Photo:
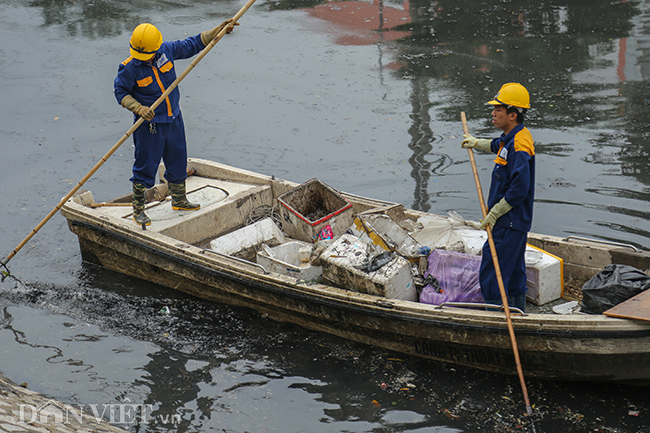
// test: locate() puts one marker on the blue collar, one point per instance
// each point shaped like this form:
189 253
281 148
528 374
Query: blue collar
506 138
145 62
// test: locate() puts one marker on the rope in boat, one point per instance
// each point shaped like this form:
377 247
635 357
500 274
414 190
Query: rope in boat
264 211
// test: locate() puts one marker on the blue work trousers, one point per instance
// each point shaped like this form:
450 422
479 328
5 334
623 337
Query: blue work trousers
511 249
165 141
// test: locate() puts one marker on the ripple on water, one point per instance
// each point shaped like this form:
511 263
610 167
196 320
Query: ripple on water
186 19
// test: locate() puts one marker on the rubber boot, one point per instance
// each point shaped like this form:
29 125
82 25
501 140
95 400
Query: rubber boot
179 199
139 216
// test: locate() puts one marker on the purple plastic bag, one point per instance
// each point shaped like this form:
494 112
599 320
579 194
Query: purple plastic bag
457 276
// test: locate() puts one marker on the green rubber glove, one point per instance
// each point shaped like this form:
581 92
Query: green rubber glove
497 211
208 35
130 103
476 143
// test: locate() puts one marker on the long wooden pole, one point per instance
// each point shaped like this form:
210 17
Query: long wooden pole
128 133
497 269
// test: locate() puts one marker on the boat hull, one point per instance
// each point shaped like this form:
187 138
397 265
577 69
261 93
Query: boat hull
603 349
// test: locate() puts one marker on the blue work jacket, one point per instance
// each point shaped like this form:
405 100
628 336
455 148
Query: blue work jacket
146 82
513 177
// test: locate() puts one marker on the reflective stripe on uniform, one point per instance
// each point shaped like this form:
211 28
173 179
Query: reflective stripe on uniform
162 88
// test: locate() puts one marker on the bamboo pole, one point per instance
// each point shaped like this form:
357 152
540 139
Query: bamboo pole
128 133
497 269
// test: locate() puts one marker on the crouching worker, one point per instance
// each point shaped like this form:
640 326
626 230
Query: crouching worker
141 80
511 196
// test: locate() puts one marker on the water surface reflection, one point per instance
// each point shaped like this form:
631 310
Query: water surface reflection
208 366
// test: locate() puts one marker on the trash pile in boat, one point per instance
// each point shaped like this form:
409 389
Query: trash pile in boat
315 236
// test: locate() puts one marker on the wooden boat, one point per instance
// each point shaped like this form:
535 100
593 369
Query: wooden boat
175 252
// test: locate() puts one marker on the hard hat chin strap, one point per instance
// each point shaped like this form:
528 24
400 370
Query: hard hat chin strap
141 51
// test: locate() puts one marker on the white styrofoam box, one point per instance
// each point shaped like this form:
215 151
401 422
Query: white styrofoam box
544 273
286 258
263 231
394 280
381 230
312 206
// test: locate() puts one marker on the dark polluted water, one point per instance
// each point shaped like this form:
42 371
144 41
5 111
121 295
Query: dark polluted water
365 96
200 366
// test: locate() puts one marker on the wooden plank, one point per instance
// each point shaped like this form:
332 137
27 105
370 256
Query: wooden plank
637 307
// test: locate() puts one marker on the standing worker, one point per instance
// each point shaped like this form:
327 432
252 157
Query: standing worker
141 80
511 197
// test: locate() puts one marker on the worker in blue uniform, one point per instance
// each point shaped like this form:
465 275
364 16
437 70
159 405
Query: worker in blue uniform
141 80
511 197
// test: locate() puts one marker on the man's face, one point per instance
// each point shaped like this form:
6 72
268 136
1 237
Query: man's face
501 118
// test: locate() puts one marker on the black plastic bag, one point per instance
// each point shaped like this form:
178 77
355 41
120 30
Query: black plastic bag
611 286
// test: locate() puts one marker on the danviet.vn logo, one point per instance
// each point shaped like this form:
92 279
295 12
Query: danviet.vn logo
114 413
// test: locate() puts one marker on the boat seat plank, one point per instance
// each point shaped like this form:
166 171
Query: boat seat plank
637 307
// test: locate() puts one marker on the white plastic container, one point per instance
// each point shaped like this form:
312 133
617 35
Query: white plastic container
288 259
249 237
341 259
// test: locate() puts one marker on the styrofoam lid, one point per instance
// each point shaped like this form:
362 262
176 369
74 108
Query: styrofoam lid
532 256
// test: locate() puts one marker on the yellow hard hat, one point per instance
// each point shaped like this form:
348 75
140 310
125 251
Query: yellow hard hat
513 94
145 41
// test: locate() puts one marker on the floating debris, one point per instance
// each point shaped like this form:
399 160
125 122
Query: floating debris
561 183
